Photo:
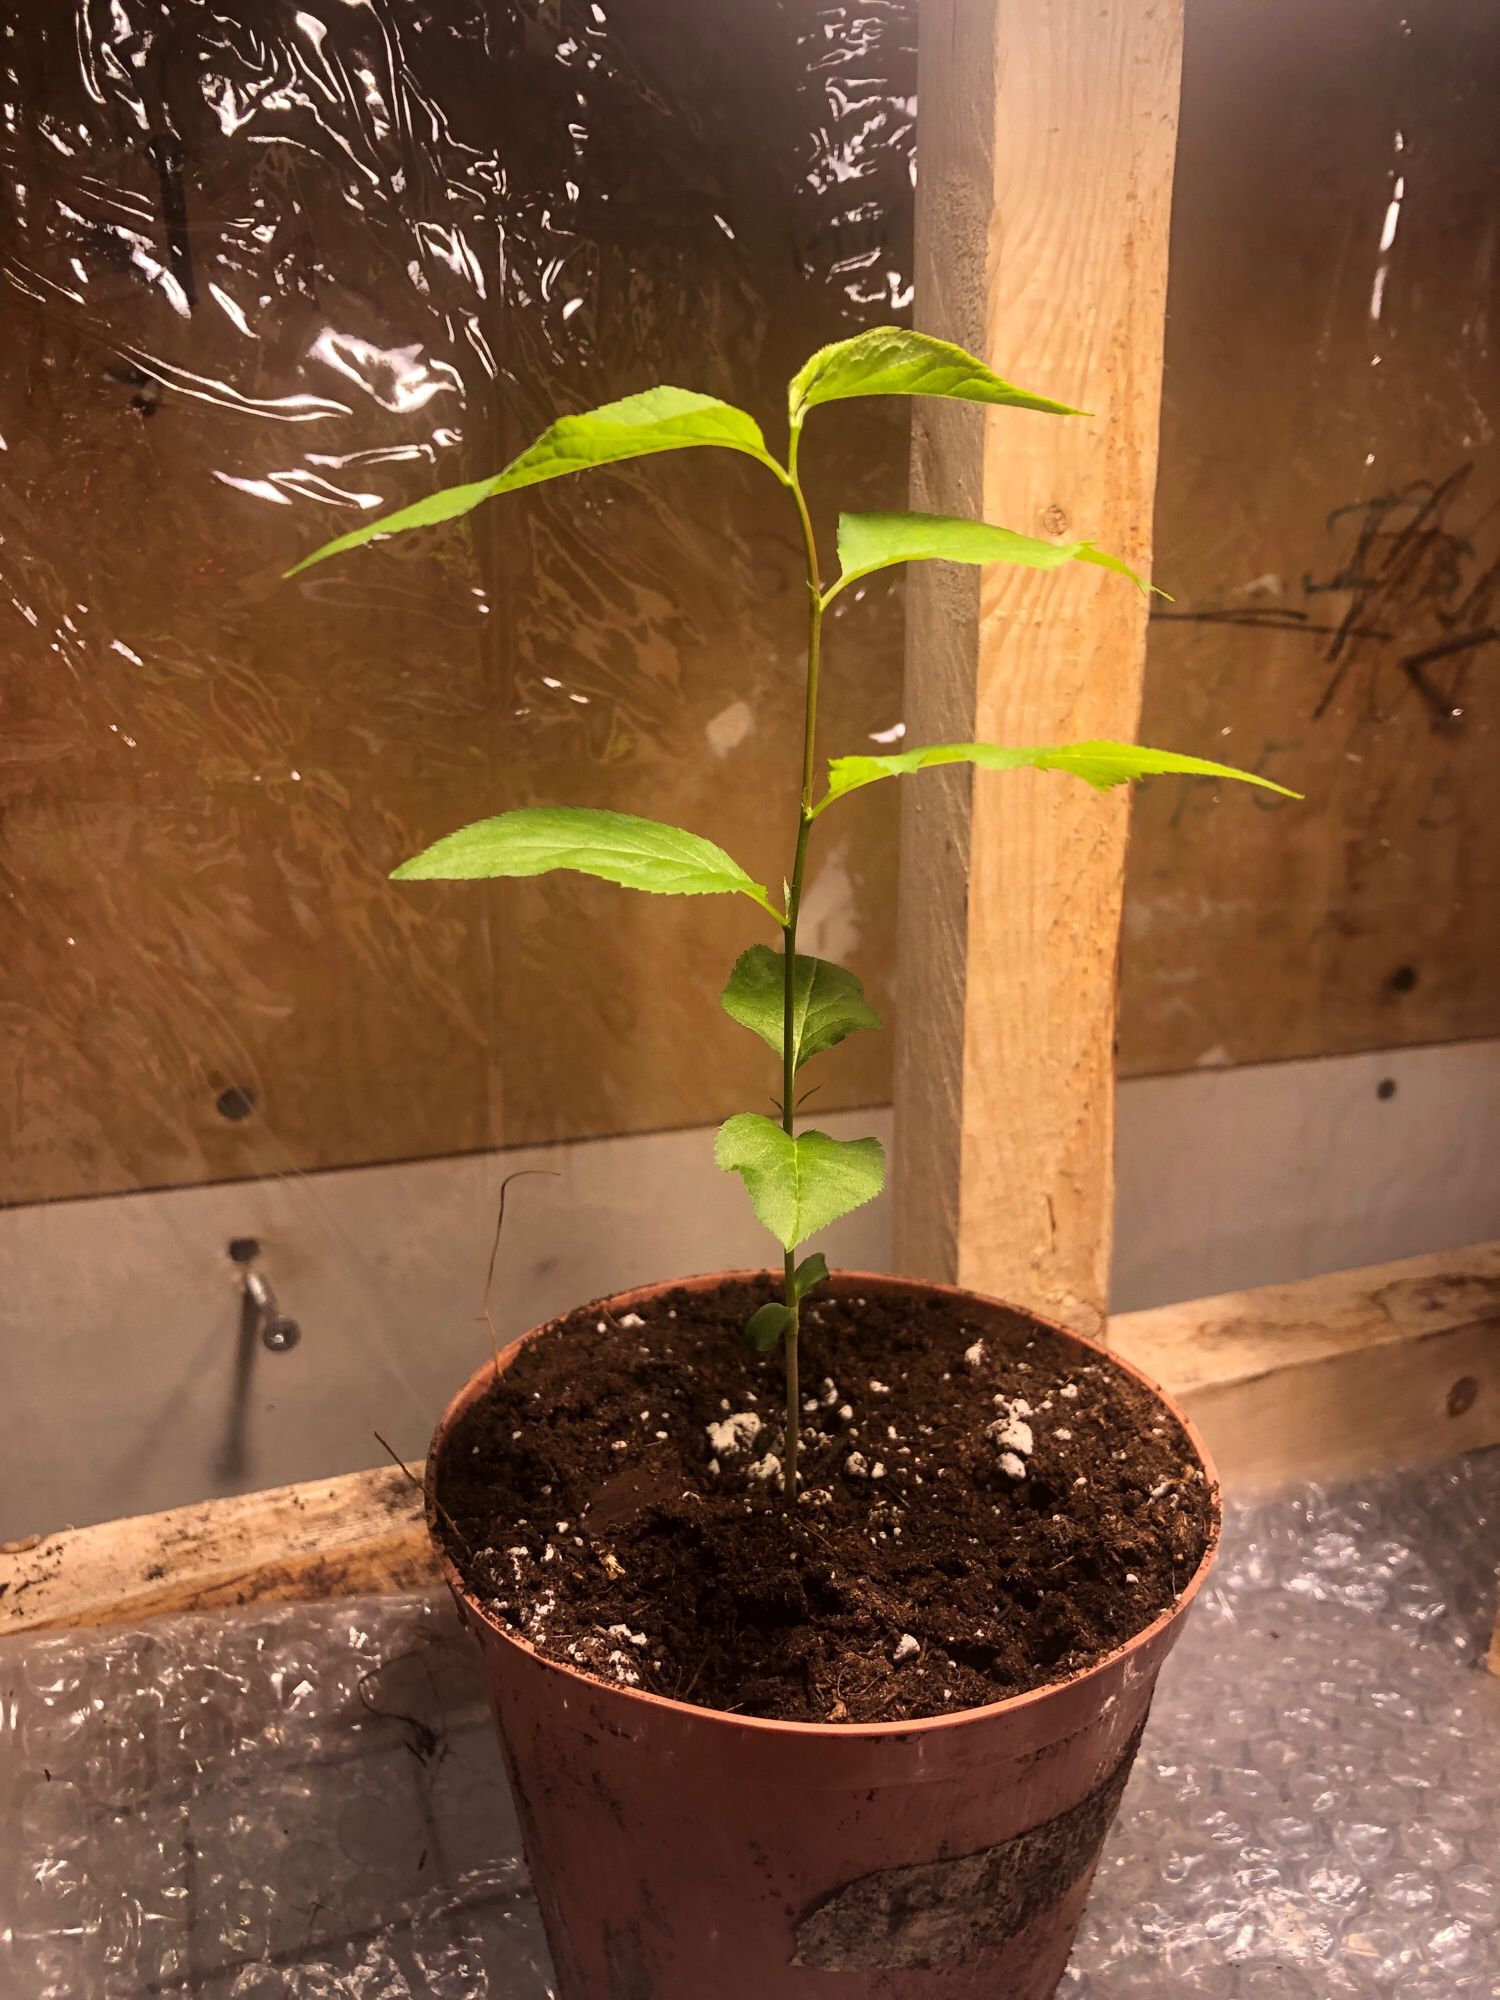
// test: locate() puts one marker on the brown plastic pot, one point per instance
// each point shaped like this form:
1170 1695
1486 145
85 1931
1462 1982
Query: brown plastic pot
683 1853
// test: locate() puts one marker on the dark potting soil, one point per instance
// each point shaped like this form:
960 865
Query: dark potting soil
984 1507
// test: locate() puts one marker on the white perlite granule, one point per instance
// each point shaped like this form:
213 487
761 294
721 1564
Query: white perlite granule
1012 1434
737 1433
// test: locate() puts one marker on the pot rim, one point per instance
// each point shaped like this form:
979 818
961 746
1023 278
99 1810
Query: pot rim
625 1301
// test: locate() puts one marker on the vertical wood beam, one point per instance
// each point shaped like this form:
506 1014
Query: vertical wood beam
1044 169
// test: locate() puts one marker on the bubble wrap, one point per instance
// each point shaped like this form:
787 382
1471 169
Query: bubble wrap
308 1804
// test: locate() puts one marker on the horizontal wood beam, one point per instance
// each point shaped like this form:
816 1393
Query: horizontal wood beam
357 1534
1332 1377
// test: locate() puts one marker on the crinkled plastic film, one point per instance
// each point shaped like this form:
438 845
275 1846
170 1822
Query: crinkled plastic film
269 270
309 1801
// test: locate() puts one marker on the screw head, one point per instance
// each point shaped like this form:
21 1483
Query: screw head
281 1335
1462 1396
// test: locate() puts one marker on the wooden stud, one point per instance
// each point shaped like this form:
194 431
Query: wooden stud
1043 194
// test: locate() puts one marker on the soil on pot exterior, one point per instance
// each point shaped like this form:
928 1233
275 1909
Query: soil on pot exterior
979 1513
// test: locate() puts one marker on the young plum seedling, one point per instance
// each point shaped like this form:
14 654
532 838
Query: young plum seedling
798 1181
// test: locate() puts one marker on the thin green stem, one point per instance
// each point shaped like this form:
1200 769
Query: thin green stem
789 1476
793 910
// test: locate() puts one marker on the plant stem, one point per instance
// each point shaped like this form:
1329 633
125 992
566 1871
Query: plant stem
793 908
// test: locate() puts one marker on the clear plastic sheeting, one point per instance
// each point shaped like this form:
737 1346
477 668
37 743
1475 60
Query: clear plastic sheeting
309 1803
268 270
1315 1813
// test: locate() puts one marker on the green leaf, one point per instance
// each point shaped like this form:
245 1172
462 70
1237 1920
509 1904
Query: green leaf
828 1003
894 361
766 1326
1098 764
798 1186
876 541
617 847
811 1271
769 1322
656 420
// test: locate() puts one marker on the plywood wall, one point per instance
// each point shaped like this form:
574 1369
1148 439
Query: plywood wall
268 271
265 270
1329 520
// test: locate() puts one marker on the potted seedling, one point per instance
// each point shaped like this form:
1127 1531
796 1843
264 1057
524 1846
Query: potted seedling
820 1613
